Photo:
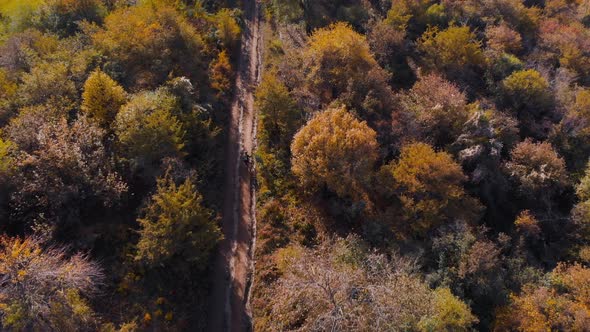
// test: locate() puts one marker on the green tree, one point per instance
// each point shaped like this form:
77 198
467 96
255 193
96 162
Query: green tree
278 120
581 211
102 98
415 16
149 129
571 137
62 17
278 113
335 150
470 264
7 162
8 94
47 82
287 10
175 224
8 151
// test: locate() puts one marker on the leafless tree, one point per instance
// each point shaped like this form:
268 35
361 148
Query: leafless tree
41 287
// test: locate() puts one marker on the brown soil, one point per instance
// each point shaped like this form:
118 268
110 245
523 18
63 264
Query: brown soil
230 306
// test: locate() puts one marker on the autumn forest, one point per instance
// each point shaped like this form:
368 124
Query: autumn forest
294 165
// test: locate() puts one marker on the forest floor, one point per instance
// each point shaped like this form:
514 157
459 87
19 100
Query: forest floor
230 303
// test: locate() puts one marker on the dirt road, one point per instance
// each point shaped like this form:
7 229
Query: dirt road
234 266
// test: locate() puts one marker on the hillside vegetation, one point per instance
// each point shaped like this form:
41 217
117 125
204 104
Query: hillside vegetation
421 165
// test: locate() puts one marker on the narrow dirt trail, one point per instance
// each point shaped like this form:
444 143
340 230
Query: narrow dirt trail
234 266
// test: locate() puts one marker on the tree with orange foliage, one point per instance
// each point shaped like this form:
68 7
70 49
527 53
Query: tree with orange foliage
335 150
429 187
221 74
336 56
527 224
561 305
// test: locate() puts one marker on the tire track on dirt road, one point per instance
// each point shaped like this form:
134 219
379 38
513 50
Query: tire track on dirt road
234 266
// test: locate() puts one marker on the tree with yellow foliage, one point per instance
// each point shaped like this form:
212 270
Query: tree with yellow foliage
102 98
148 42
452 48
221 74
429 187
334 150
228 31
449 313
528 90
176 225
335 57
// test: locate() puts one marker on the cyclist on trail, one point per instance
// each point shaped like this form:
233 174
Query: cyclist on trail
246 158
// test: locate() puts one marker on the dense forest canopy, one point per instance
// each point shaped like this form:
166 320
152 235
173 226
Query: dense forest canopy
112 116
442 144
421 165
